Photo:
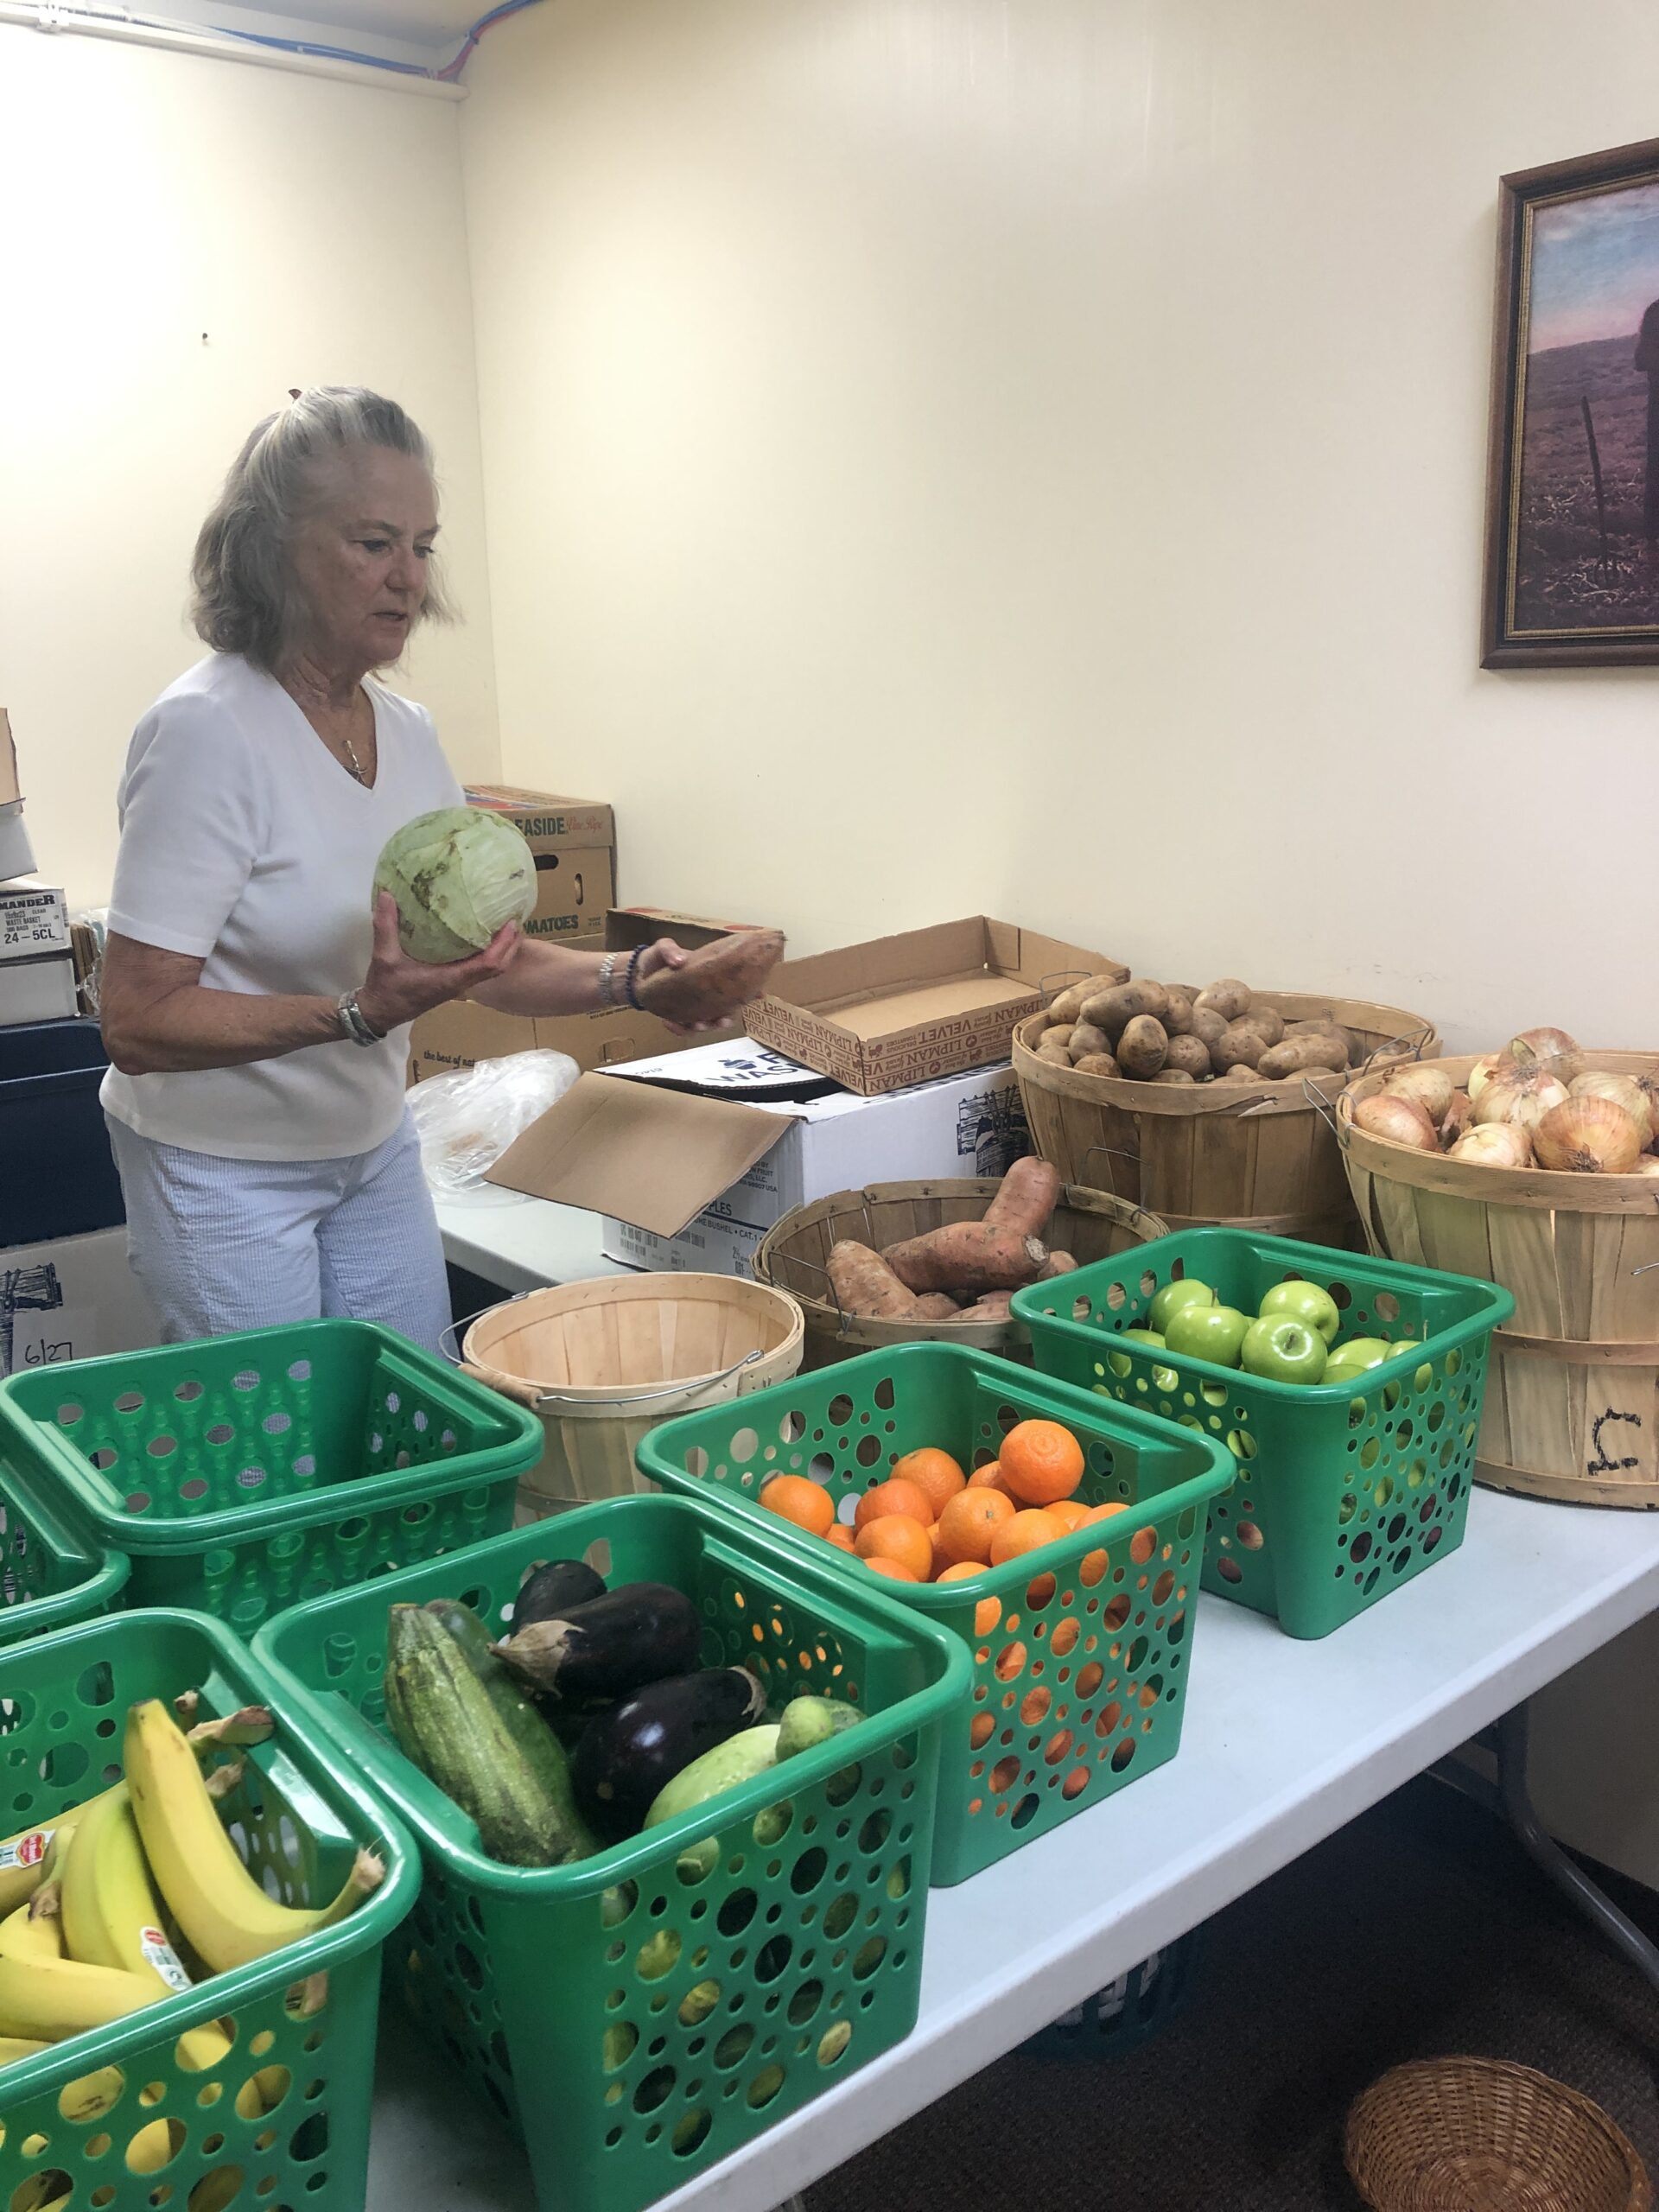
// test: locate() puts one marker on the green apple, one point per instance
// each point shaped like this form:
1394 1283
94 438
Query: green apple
1150 1340
1282 1350
1304 1301
1173 1295
1211 1332
1356 1357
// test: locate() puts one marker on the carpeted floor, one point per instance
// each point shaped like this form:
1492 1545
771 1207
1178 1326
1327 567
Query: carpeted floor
1418 1931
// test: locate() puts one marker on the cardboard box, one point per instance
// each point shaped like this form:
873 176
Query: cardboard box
16 856
459 1035
74 1298
39 989
32 921
906 1009
574 841
692 1159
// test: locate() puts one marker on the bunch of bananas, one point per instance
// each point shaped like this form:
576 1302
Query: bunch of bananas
86 1903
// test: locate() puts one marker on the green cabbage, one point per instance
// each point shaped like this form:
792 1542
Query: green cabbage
458 875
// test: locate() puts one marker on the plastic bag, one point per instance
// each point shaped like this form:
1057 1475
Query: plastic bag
468 1120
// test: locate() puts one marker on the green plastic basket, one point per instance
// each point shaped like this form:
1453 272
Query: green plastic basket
1345 1489
287 2109
667 2000
52 1569
248 1473
1079 1660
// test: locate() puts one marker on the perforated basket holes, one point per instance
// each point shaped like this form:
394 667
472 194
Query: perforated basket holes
407 1426
1078 1682
252 2128
440 1964
1409 1461
30 1566
845 1435
793 1653
742 1972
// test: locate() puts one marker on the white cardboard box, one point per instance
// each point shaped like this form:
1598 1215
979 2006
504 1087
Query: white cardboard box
693 1157
41 988
33 921
75 1298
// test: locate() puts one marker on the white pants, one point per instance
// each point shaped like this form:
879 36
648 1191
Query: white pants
224 1245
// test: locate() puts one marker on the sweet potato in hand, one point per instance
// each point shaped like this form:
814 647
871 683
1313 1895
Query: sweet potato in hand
967 1259
716 981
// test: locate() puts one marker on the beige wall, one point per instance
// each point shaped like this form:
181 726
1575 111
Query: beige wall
945 454
314 232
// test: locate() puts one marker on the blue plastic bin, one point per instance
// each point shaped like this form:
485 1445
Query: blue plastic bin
59 1176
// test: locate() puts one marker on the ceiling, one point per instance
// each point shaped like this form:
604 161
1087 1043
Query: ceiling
424 31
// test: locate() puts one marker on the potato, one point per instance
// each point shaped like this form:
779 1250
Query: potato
1056 1055
1114 1010
1143 1047
1068 1005
1266 1019
1097 1064
1228 997
1189 1053
1085 1038
1172 1075
1297 1055
1240 1047
1061 1034
1209 1027
1177 1016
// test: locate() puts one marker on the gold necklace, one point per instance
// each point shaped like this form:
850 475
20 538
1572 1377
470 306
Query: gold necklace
355 764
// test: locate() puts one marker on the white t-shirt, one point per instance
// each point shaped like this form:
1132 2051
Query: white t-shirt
246 845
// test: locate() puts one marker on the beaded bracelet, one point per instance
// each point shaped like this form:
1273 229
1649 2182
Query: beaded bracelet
630 981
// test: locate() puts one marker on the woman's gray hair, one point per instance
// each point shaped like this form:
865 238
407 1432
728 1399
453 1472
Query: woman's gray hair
244 600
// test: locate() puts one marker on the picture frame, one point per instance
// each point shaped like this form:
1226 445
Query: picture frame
1571 575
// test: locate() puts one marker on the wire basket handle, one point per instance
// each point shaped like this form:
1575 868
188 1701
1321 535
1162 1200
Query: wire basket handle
1409 1047
1112 1152
451 1329
1321 1105
813 1268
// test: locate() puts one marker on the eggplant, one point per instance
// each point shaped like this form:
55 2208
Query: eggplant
628 1756
549 1591
592 1653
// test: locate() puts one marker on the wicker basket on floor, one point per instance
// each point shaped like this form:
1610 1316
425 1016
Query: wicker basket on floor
1478 2135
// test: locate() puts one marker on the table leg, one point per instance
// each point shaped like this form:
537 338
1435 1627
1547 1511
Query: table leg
1515 1804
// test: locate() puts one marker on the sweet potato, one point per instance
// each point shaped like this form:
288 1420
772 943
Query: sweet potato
1229 998
1267 1020
1177 1016
1240 1047
865 1285
935 1307
1086 1039
1141 1048
1067 1005
1097 1064
967 1258
1025 1202
994 1306
1298 1055
1058 1263
1114 1010
1191 1055
716 981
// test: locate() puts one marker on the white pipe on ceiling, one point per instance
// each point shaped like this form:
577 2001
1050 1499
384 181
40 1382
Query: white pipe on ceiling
49 16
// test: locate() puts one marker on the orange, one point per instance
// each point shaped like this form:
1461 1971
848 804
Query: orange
1069 1513
806 1504
988 1611
1041 1462
968 1521
1022 1533
841 1536
932 1470
909 1498
891 1569
1104 1512
896 1536
989 1476
960 1571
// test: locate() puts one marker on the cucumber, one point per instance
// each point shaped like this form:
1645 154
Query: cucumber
809 1721
641 1633
549 1591
630 1754
445 1720
543 1753
738 1759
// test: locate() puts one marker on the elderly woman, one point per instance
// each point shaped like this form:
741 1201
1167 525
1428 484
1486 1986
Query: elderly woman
255 1011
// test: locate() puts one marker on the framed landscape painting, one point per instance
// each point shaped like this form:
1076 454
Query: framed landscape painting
1572 485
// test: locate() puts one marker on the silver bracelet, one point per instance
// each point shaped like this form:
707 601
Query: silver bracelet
607 984
354 1024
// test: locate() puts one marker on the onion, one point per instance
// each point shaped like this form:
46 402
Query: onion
1546 1048
1647 1165
1624 1089
1482 1073
1588 1136
1523 1095
1459 1116
1432 1088
1495 1144
1647 1084
1397 1120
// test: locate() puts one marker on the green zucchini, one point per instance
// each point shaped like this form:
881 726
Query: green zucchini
543 1753
809 1721
740 1758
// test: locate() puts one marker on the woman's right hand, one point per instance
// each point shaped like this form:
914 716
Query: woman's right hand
399 988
